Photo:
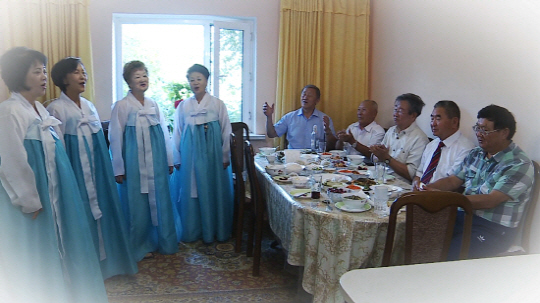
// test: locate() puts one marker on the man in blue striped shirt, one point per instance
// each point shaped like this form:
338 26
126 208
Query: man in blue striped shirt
498 178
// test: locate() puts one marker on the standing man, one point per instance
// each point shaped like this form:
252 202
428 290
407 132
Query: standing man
498 178
404 143
359 136
298 124
445 153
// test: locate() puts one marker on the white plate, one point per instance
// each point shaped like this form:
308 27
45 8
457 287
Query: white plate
331 177
343 207
277 179
301 193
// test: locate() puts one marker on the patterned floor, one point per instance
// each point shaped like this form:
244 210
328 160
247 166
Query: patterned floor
206 273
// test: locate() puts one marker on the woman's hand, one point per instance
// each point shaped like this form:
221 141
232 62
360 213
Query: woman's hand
36 213
225 165
120 179
171 169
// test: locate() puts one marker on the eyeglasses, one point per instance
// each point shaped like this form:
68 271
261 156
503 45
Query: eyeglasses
477 129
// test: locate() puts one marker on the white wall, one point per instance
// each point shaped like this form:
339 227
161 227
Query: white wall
475 52
266 13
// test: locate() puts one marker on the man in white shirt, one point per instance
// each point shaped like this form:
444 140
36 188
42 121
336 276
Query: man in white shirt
359 136
404 143
438 163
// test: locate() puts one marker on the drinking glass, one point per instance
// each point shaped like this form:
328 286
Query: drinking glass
322 146
380 170
380 199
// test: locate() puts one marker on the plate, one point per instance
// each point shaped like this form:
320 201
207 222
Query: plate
301 193
343 207
282 179
334 184
331 177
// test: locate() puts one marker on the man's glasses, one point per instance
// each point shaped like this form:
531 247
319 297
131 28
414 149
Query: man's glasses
477 129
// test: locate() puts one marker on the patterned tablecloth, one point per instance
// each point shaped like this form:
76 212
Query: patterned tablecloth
326 243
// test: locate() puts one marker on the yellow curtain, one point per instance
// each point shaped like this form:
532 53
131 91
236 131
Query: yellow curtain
324 42
57 28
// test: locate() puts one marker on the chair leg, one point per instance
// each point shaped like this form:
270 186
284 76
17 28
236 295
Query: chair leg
251 232
258 243
239 225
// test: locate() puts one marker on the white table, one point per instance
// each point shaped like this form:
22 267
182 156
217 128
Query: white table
502 279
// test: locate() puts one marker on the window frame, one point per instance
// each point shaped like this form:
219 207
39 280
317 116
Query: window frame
246 24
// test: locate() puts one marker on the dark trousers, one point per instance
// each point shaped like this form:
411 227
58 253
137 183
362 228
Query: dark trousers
487 238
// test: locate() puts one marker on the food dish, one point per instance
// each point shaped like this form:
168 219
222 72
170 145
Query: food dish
282 178
301 193
343 207
332 177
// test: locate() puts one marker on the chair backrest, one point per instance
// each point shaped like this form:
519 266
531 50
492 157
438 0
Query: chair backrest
241 133
256 192
237 163
524 233
430 219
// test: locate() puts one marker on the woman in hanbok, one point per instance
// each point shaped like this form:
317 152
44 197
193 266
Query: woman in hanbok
47 251
142 161
89 155
202 155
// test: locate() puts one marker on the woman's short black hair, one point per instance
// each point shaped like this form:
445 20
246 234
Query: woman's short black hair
62 68
500 117
200 69
15 64
131 67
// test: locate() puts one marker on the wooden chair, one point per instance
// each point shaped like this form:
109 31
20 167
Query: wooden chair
240 132
521 244
257 210
430 218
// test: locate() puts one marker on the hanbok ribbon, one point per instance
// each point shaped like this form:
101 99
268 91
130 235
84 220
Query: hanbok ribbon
146 162
199 112
49 149
88 125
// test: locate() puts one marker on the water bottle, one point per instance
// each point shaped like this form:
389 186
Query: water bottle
314 141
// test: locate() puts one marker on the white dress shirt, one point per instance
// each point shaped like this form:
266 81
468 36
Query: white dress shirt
406 146
373 133
455 148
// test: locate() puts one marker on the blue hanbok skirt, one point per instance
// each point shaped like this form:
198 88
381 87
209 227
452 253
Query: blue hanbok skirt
30 256
119 257
210 215
143 235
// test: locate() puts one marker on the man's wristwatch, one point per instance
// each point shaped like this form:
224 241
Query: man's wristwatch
387 161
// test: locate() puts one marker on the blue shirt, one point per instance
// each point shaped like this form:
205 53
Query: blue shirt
299 128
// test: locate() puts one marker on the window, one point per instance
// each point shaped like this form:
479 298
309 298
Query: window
170 44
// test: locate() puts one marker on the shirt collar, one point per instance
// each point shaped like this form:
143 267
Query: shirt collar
407 130
316 113
368 127
500 155
453 138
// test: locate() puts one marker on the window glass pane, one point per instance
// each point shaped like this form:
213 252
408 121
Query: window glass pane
167 50
231 62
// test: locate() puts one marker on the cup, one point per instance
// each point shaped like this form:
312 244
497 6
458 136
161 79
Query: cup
271 158
316 189
380 199
292 155
380 171
322 146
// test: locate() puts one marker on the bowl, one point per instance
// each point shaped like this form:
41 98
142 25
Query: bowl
271 158
309 158
299 181
356 159
293 168
354 200
267 150
274 170
337 152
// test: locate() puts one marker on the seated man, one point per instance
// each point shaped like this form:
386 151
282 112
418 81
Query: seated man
445 153
498 178
359 136
404 143
298 124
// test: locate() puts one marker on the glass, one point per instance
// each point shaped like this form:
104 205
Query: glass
322 146
316 188
481 131
380 199
380 171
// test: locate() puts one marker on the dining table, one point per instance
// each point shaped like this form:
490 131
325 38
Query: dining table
323 240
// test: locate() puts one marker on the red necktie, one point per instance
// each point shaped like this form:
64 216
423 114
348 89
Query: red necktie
432 164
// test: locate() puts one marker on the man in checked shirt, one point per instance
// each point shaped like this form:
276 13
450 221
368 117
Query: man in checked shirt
498 178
